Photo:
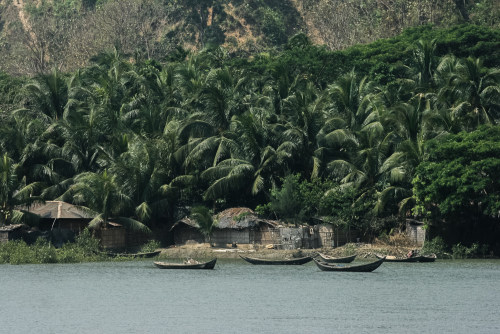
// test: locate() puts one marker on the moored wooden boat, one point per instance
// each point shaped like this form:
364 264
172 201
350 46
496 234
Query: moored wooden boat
189 265
331 259
136 255
395 259
364 268
297 261
427 258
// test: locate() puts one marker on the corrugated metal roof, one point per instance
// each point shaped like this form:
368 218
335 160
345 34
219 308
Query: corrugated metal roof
59 210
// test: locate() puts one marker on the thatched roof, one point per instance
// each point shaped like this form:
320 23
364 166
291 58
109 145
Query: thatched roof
13 227
186 221
233 218
240 218
59 210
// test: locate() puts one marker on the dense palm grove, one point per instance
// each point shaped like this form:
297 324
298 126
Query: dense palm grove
139 141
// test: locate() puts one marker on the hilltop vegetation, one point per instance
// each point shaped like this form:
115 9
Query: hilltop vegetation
37 35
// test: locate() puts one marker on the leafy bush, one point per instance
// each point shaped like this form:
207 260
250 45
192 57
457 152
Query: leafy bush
44 252
150 246
436 246
85 249
86 243
460 251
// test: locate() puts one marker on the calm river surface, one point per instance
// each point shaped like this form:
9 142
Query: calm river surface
236 297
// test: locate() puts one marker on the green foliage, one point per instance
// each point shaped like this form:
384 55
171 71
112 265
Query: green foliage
150 246
203 217
461 174
287 202
87 243
134 141
84 249
273 26
344 206
436 246
460 251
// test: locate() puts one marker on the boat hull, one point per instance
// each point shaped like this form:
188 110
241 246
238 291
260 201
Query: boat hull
362 268
409 259
297 261
136 255
428 258
330 259
203 265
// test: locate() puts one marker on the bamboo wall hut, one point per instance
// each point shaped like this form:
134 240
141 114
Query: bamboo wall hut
243 226
234 226
61 215
415 231
112 236
185 231
12 232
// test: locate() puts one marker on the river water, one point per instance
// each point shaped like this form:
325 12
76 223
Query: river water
236 297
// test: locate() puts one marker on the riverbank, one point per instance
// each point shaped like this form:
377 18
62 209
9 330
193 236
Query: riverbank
204 250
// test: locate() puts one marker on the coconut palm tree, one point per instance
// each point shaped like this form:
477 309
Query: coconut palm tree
141 171
203 217
101 195
15 193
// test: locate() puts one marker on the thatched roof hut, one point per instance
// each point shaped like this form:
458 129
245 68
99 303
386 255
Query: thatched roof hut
234 225
241 218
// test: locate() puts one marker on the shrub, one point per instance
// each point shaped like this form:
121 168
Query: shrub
88 244
436 246
460 251
150 246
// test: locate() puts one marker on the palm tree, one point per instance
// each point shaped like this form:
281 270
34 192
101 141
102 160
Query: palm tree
14 193
468 92
101 195
425 61
47 96
141 171
204 220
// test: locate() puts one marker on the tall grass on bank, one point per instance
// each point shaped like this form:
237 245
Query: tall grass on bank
84 249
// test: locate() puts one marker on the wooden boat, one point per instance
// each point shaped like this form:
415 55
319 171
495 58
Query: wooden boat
427 258
136 255
365 268
188 265
331 259
297 261
395 259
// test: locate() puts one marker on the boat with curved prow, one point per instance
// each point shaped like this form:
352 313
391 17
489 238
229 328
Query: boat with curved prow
362 268
427 258
331 259
395 259
135 255
297 261
188 265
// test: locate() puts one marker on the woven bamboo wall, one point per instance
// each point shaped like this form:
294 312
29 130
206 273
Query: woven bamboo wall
112 238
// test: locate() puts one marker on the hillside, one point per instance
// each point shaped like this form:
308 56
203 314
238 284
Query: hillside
37 35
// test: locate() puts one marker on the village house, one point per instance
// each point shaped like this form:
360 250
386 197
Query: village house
242 227
65 221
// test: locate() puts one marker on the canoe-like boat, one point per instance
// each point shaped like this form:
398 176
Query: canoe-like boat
136 255
427 258
363 268
405 259
297 261
189 265
331 259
